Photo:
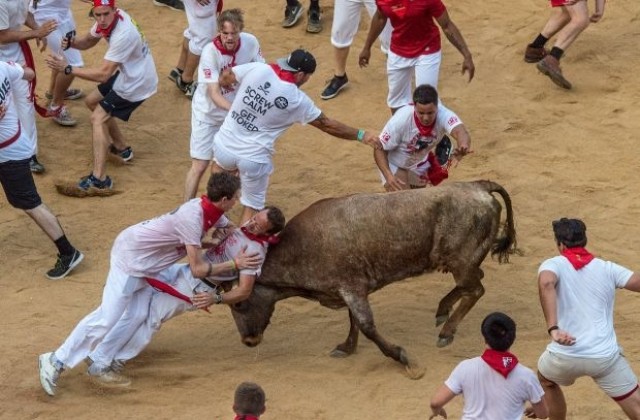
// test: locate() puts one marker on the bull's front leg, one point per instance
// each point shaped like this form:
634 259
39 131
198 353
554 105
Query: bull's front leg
349 346
362 316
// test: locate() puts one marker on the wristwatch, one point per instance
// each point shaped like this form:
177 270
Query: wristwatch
218 298
68 69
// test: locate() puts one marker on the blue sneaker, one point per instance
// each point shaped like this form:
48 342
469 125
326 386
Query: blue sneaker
126 154
91 181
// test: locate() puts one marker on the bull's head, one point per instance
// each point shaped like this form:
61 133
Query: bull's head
253 314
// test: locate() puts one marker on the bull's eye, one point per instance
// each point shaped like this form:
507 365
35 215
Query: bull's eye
241 306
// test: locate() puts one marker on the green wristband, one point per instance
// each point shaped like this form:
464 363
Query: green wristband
360 136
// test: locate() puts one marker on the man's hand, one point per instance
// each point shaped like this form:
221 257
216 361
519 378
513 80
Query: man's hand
56 62
245 260
468 66
563 337
394 184
46 28
203 300
372 140
441 412
363 59
3 111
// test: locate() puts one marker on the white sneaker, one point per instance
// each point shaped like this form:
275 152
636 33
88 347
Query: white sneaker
63 117
110 379
117 365
48 373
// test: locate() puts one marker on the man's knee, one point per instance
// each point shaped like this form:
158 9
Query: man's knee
199 166
99 116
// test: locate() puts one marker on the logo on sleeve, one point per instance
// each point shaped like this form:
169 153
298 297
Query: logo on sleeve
281 102
453 120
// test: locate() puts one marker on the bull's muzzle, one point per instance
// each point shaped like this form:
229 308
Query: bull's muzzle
252 341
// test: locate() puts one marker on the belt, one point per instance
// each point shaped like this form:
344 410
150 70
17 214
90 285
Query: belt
13 139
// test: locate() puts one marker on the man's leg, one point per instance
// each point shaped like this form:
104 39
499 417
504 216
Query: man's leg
631 405
101 141
578 20
554 397
198 168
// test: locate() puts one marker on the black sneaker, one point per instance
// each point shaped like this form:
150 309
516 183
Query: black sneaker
292 15
191 90
175 74
184 86
443 151
91 181
314 24
171 4
126 154
35 166
336 84
65 264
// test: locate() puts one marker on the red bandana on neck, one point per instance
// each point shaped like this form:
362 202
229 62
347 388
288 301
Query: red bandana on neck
284 75
578 257
502 362
245 417
210 212
220 46
436 173
106 32
425 130
262 239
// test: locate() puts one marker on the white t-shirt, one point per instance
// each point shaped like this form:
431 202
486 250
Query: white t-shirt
151 246
51 9
229 248
13 14
128 47
490 396
22 148
585 301
406 146
263 109
212 63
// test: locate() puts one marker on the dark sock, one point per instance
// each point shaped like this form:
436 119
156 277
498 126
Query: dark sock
556 52
64 246
292 3
539 41
314 5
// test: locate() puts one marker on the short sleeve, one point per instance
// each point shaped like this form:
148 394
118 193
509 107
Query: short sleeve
309 110
618 273
447 119
209 68
454 382
393 132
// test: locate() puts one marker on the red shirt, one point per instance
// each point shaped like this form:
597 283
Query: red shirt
414 30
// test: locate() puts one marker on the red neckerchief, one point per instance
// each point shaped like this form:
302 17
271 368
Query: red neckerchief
106 32
502 362
29 62
168 289
284 75
245 417
425 130
578 257
210 212
262 239
220 46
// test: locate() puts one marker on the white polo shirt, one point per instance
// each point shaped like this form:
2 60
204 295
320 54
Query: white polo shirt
21 148
13 14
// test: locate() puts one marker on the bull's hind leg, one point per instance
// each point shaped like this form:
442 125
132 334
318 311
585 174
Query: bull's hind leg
362 316
349 346
468 291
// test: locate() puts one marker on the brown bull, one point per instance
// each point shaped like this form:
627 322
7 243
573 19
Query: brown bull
339 250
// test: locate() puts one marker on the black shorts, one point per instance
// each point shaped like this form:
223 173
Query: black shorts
113 104
17 183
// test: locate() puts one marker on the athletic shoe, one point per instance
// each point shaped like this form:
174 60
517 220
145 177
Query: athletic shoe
49 374
118 365
91 181
35 166
534 54
443 151
62 116
126 154
336 84
292 15
70 94
175 75
314 24
184 86
550 66
64 265
171 4
191 90
110 379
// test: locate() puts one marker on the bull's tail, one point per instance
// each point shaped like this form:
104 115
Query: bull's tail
505 243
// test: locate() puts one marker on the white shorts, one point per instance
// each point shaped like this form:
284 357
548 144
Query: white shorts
254 176
202 134
399 72
612 374
54 39
203 25
346 20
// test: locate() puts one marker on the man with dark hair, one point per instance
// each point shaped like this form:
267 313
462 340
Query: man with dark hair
409 140
577 294
249 401
140 251
494 385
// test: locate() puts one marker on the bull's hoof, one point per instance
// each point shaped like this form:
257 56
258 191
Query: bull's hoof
444 341
412 367
441 319
339 353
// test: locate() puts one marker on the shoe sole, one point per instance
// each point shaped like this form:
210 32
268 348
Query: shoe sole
66 123
44 382
157 3
296 18
325 97
112 385
532 60
555 77
314 28
71 267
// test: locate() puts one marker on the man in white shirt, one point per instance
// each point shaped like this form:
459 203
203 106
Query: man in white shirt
211 103
16 149
577 294
269 101
14 47
409 140
494 385
127 78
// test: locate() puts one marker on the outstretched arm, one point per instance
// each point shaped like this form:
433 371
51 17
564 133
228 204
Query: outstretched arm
343 131
547 281
442 396
455 38
463 142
